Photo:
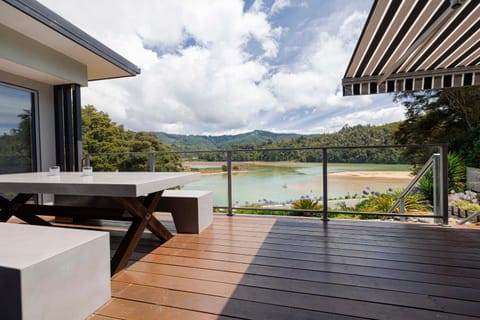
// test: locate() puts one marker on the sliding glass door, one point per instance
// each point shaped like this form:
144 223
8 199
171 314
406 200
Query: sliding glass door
17 147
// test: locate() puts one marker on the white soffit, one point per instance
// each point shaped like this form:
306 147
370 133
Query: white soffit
97 67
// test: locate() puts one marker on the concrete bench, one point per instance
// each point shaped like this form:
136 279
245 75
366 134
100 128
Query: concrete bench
191 210
52 273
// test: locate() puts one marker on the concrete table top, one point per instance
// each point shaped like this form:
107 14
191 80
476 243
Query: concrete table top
114 184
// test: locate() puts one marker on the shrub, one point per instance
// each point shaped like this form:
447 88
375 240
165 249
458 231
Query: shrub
384 201
306 203
456 177
466 205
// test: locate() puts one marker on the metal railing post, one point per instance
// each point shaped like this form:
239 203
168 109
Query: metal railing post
443 203
402 208
436 174
87 160
325 183
151 162
229 176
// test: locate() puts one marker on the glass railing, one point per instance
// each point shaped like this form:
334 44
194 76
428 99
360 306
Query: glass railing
365 182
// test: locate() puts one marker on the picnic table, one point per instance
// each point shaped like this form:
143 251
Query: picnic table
131 196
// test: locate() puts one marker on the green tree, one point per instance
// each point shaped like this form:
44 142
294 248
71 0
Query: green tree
16 146
102 135
451 116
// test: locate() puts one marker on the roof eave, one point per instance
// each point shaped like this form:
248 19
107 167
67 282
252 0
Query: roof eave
52 20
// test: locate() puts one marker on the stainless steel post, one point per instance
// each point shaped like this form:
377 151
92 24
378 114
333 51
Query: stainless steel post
325 182
151 161
443 205
437 181
229 175
87 160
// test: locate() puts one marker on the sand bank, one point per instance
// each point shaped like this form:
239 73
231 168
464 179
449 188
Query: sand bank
355 182
402 175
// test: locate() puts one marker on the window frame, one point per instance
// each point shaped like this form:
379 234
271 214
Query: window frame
34 123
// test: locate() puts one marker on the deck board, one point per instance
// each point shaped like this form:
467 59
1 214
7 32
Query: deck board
247 267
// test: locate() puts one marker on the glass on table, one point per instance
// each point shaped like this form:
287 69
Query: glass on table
54 171
87 171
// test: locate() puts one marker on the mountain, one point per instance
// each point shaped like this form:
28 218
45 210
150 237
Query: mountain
259 142
200 142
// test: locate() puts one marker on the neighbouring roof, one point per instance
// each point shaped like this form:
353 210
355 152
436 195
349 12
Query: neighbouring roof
414 45
45 26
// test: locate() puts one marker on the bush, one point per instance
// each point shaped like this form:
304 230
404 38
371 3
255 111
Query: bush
384 201
456 177
306 204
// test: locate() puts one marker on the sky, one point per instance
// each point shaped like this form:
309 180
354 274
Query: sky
230 66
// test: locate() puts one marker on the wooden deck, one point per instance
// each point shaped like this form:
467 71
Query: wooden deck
294 268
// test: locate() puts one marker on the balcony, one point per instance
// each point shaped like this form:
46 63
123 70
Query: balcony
276 267
257 267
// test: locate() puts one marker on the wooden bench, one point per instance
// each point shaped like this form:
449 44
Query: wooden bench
52 273
191 210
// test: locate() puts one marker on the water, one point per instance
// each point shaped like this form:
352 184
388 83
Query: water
283 182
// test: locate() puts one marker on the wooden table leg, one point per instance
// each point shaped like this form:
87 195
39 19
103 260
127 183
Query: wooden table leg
127 245
143 213
10 208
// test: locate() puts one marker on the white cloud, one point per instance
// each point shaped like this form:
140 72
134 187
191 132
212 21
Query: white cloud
279 5
215 84
314 78
376 115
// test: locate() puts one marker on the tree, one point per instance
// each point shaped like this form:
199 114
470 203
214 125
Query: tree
102 135
16 146
451 116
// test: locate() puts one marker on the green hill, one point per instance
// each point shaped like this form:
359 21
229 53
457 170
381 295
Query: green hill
348 136
200 142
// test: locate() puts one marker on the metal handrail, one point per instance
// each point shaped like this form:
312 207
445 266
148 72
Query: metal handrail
441 214
413 183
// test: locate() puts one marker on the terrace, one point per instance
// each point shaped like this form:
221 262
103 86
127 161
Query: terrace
265 267
251 267
268 267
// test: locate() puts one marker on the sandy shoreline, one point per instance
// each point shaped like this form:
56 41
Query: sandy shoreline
355 181
401 175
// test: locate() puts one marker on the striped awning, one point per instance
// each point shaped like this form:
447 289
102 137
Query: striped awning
410 45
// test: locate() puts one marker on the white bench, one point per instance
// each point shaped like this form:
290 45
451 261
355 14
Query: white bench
191 210
52 273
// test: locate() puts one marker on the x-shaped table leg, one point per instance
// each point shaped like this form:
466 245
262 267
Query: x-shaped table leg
14 208
143 218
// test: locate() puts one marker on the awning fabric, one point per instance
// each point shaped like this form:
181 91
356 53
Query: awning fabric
414 45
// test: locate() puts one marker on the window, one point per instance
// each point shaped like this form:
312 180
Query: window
17 147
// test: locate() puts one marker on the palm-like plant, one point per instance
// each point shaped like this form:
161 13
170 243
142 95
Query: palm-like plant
306 204
456 177
384 201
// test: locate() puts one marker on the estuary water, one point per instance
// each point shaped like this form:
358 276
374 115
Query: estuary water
285 181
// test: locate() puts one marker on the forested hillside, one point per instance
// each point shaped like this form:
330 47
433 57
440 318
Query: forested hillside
348 136
201 142
102 135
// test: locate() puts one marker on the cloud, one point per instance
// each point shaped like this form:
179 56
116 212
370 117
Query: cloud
374 115
314 77
279 5
210 66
